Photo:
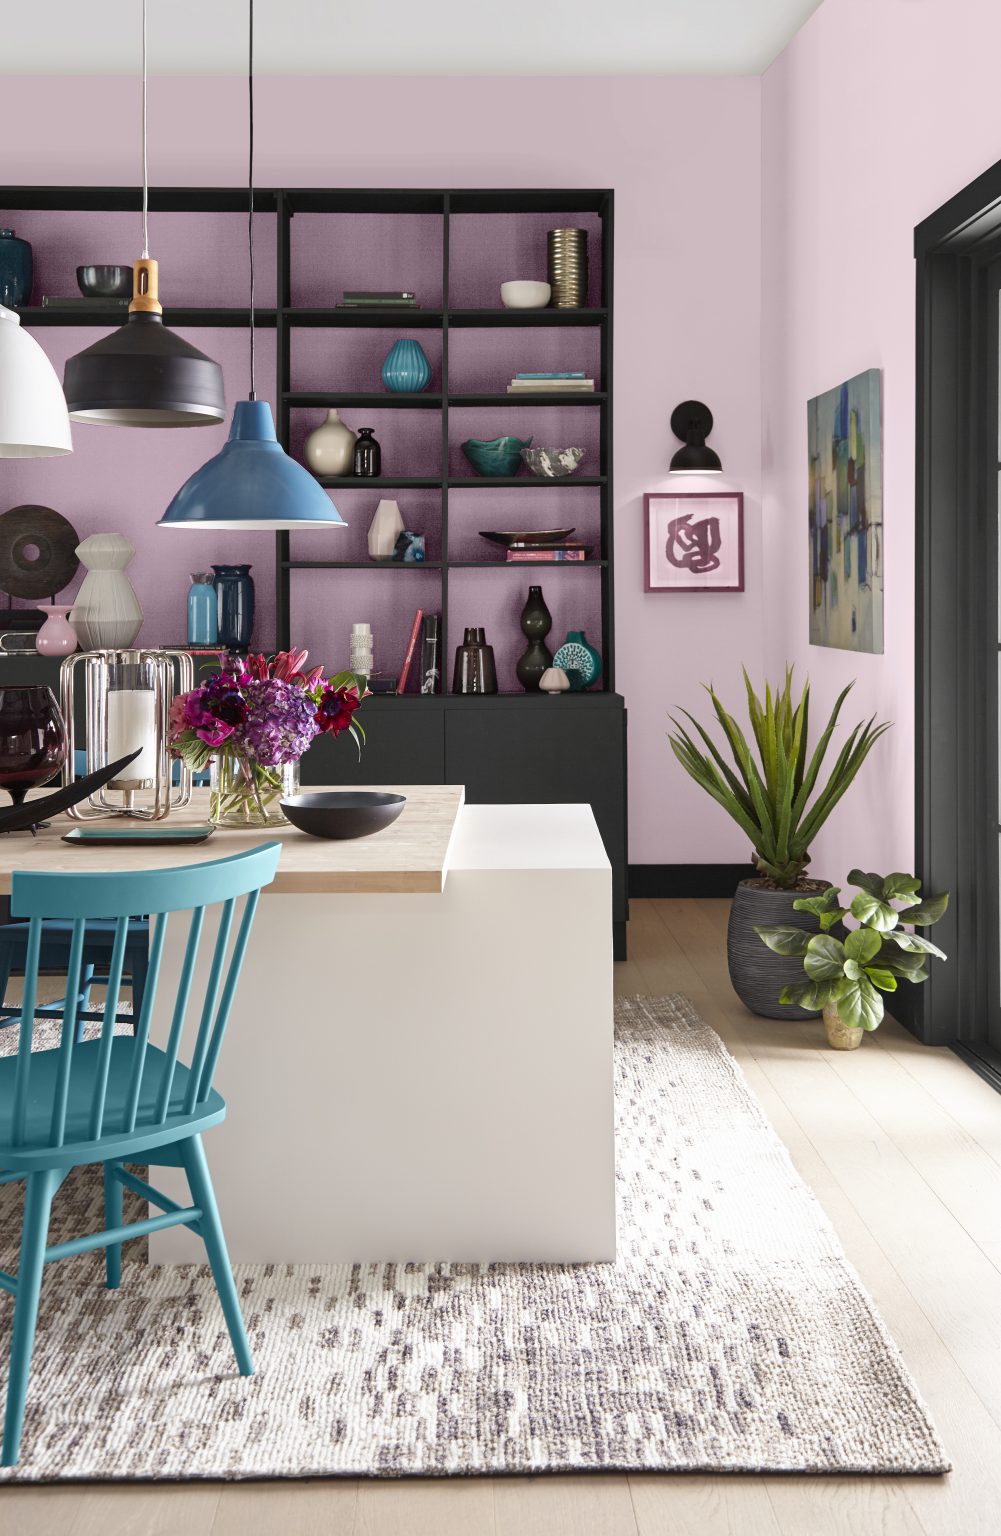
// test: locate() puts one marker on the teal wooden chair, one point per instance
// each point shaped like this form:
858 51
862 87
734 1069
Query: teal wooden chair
119 1098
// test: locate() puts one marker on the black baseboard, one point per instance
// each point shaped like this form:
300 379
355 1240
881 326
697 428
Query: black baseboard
686 879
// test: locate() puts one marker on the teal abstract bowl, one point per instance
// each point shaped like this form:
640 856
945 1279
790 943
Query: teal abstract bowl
499 456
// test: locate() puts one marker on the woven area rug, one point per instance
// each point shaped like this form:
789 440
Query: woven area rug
730 1335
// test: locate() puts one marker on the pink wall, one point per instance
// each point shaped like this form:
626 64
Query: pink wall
877 112
683 158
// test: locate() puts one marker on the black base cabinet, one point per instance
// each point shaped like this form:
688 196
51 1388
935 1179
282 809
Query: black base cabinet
507 750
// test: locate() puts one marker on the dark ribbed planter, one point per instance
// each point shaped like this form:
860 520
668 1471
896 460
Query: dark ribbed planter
756 973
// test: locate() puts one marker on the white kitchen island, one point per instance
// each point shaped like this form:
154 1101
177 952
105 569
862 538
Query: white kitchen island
419 1063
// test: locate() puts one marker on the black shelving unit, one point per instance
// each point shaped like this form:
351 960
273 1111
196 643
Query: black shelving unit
510 747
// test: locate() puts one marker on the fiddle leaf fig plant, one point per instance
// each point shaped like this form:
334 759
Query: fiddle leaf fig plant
777 797
854 971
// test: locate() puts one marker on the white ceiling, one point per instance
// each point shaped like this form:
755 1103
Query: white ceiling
404 37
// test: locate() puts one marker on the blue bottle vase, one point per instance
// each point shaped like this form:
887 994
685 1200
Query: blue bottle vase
579 660
203 615
16 270
235 598
406 370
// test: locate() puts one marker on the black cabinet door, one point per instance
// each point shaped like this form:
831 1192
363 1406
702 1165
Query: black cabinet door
405 744
546 751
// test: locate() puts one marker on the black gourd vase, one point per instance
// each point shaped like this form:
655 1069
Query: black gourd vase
536 622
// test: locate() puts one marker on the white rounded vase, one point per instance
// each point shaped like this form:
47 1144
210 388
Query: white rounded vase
107 615
330 449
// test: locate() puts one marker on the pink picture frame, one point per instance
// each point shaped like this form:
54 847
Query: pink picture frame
693 541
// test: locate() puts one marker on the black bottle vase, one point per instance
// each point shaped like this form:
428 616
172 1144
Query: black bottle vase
536 622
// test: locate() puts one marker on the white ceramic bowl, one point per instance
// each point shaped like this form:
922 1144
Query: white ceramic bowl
524 294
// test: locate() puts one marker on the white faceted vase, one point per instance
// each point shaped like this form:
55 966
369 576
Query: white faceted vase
384 530
107 615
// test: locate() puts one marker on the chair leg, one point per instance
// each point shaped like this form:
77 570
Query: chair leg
112 1218
192 1155
37 1203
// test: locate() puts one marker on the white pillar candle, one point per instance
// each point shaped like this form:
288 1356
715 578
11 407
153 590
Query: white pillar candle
131 724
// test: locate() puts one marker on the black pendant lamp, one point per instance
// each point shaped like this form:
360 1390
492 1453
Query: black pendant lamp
143 375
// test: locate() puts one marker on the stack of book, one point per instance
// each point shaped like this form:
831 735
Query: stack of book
558 552
570 383
378 298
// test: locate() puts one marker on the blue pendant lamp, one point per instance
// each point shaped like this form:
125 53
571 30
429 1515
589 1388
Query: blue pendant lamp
252 484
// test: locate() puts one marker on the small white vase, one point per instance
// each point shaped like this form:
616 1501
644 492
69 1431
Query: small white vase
57 637
107 614
384 530
330 449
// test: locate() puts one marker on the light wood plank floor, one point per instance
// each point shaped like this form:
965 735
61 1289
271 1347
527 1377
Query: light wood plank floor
902 1146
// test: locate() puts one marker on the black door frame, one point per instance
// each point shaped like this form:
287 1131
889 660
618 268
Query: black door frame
958 254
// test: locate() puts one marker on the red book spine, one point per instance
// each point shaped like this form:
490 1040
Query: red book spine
401 686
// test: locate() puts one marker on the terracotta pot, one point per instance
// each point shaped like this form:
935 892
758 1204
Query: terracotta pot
841 1036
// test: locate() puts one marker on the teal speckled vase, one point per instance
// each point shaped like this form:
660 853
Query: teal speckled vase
406 370
575 656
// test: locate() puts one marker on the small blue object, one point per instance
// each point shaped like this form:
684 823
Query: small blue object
119 1099
573 373
234 590
203 618
409 548
575 656
406 370
498 456
16 270
252 484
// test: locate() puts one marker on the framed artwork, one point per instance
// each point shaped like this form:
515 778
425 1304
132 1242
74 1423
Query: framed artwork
846 515
694 541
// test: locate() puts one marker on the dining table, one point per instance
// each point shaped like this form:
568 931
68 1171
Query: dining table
419 1062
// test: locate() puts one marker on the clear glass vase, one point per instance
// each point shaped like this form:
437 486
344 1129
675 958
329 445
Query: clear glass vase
248 794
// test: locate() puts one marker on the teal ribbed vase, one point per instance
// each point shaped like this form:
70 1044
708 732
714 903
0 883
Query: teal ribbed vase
406 370
575 656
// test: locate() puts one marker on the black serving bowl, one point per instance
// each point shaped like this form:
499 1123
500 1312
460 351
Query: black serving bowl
105 282
353 813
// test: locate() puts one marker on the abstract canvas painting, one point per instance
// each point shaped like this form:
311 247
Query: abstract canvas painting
846 515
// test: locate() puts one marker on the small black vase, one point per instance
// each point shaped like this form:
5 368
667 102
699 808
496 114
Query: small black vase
368 454
234 587
536 622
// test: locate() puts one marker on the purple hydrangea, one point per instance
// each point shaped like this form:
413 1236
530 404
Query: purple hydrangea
279 724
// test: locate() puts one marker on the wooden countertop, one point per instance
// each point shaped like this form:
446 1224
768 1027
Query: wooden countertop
408 857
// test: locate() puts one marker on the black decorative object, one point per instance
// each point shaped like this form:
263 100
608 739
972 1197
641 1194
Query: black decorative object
32 739
431 654
528 536
24 818
757 974
107 282
368 454
342 815
536 622
692 422
234 587
475 669
37 551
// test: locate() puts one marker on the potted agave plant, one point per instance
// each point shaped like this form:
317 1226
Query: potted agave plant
847 977
781 803
252 721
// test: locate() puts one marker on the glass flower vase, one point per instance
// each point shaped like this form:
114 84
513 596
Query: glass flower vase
247 794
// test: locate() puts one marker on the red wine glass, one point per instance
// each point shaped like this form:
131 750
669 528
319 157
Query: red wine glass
32 739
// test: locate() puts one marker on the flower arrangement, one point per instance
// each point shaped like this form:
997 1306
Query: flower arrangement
252 721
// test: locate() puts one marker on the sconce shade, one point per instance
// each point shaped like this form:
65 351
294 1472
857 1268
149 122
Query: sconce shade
692 422
252 484
33 419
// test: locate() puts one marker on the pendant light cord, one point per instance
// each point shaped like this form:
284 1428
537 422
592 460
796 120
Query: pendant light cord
250 180
145 161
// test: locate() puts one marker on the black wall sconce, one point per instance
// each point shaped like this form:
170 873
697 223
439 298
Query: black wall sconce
692 422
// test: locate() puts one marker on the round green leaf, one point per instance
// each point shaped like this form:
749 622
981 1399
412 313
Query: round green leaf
862 943
825 957
783 939
861 1005
869 909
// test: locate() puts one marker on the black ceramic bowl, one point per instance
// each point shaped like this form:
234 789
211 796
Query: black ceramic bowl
353 813
105 282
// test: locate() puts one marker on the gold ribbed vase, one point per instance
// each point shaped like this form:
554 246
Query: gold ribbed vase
567 253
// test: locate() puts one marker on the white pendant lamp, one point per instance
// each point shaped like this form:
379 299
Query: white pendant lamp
34 423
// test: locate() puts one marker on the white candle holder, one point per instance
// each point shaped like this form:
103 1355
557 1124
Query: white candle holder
127 706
